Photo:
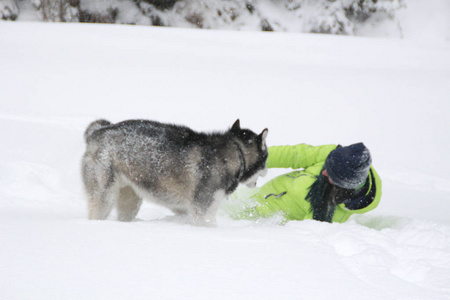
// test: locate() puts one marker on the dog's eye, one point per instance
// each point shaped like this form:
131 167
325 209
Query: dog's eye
250 141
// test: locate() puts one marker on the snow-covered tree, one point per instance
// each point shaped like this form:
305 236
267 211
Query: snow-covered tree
8 10
345 17
58 10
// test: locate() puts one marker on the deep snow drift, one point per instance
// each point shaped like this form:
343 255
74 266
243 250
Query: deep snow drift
393 95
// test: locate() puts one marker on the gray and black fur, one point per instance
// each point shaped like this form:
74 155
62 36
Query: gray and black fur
186 171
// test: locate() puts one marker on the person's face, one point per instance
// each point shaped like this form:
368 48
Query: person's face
325 173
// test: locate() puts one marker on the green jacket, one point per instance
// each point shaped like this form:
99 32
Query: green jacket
286 194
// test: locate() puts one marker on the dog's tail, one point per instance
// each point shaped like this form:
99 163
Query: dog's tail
94 126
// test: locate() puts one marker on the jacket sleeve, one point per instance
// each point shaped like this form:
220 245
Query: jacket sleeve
298 156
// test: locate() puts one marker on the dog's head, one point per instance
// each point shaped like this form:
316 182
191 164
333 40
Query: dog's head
254 153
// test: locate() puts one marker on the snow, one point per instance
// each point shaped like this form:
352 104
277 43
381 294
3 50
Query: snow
391 94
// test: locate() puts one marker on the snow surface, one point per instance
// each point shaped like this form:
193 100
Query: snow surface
391 94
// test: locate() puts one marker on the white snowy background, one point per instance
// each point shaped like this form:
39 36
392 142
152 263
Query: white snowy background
392 94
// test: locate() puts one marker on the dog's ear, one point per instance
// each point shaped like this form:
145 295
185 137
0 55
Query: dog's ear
236 126
263 136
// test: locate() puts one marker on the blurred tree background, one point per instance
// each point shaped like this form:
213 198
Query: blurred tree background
341 17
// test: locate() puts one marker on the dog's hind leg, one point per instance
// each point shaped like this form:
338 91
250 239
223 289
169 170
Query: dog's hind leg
100 204
128 204
101 189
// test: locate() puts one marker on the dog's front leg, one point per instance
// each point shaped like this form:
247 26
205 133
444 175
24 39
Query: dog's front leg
204 212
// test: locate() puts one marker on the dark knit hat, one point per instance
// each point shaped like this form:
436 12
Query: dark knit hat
348 167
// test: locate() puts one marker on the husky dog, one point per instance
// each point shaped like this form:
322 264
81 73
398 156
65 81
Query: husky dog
186 171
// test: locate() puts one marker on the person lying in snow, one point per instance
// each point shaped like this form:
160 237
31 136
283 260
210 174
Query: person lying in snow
332 183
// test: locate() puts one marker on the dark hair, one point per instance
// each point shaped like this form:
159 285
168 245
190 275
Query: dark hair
324 197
